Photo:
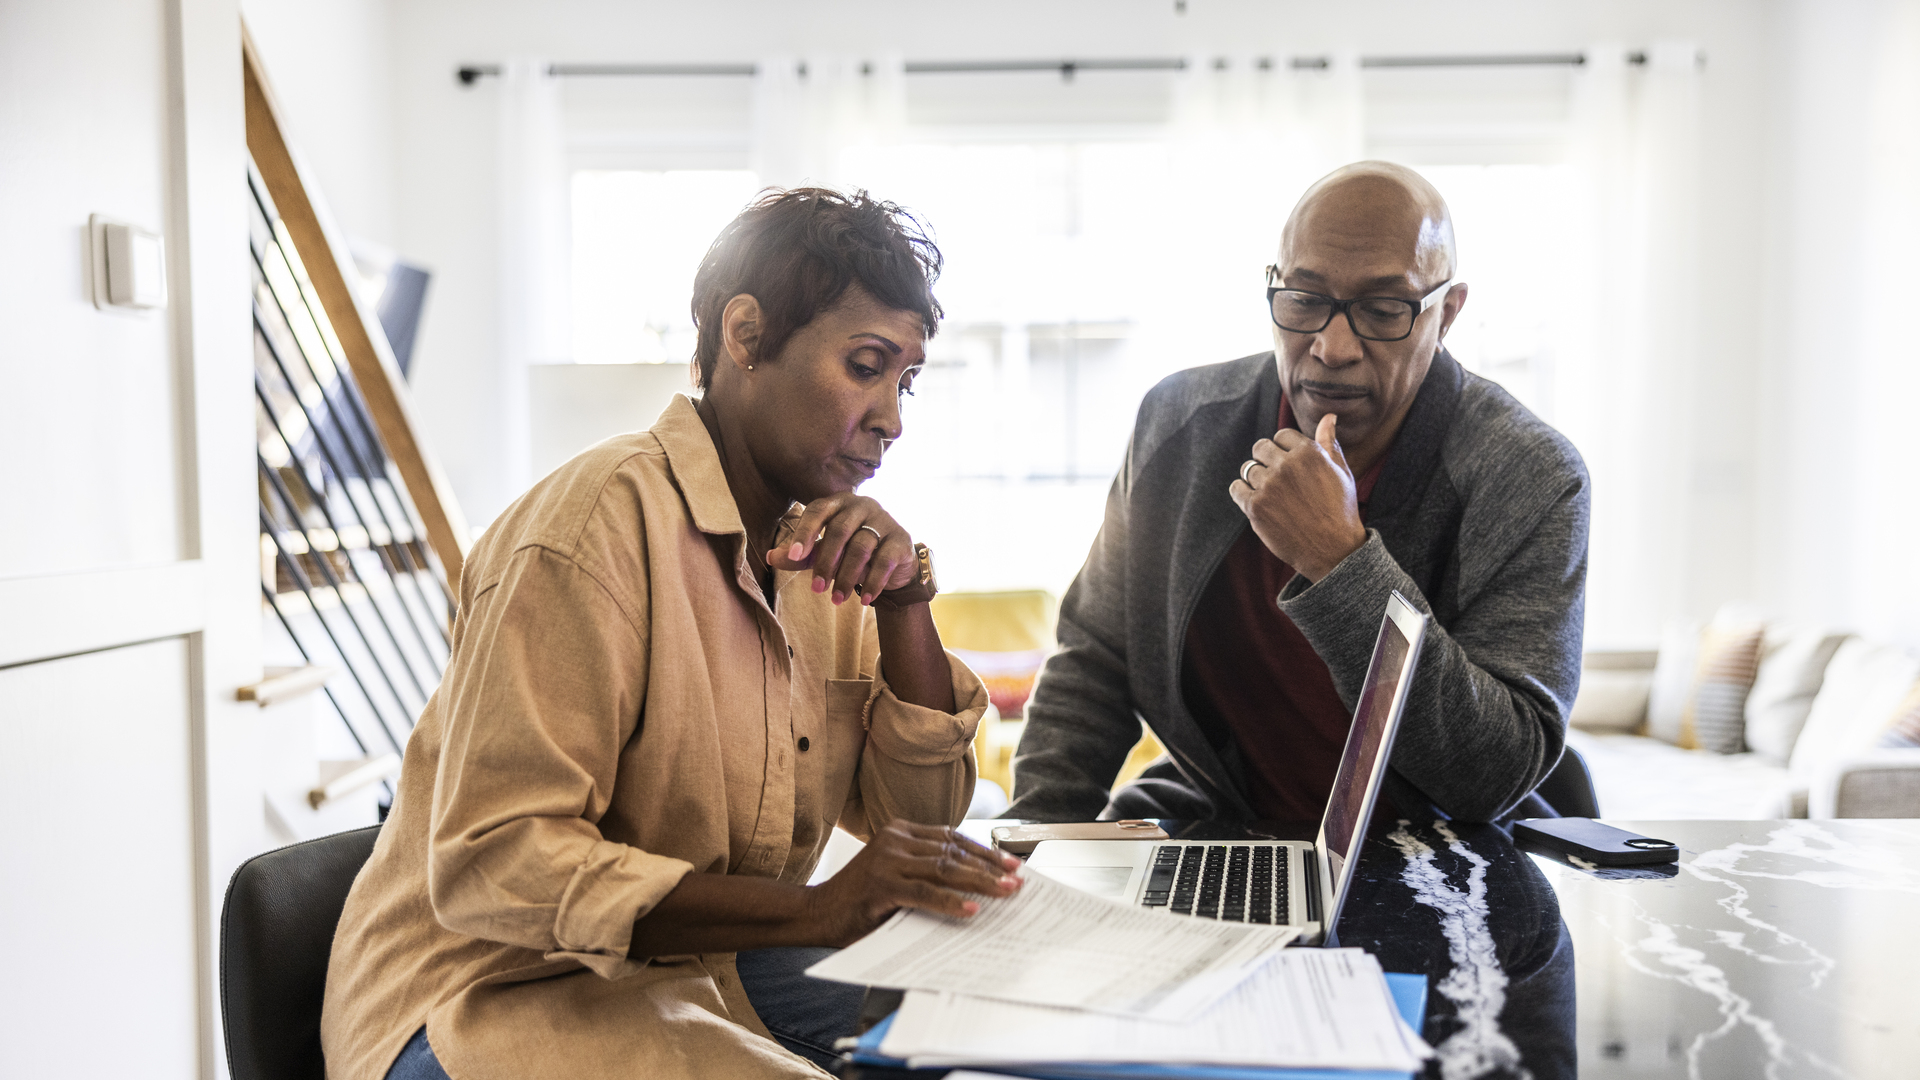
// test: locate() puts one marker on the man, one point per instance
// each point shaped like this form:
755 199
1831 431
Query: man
1231 601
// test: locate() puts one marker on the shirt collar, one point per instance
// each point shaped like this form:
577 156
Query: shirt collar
696 468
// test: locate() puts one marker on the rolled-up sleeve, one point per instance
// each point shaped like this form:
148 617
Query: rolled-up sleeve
545 691
918 762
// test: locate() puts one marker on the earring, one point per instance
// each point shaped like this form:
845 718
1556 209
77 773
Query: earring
749 367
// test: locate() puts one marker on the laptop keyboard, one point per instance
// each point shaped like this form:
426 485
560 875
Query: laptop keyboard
1232 882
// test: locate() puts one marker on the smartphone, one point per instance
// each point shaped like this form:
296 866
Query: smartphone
1022 839
1601 845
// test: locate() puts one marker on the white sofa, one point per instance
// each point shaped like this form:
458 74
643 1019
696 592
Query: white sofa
1815 718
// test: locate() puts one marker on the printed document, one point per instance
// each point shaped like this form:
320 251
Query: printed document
1050 944
1305 1009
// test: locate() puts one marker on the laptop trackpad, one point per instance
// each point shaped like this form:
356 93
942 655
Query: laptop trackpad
1107 881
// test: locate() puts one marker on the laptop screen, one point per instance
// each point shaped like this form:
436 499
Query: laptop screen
1364 762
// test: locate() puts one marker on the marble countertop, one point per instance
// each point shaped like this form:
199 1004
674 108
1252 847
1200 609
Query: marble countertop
1773 949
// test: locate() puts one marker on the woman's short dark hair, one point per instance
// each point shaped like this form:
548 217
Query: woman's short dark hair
797 250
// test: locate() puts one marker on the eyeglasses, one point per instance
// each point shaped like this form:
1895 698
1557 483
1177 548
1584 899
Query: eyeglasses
1376 318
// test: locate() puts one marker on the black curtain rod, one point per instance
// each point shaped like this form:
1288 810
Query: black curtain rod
1066 68
469 74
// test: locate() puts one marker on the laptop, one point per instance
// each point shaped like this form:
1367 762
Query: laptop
1279 882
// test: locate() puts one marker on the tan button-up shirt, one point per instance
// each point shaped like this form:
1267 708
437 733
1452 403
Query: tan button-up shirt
622 707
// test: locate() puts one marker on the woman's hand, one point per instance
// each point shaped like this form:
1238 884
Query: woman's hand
852 546
907 865
856 549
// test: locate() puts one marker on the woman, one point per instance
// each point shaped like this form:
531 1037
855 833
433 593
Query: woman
678 662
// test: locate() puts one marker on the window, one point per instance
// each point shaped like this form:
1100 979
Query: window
1079 274
638 238
1512 222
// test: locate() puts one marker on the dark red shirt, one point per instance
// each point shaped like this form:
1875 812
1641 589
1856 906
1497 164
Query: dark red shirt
1250 674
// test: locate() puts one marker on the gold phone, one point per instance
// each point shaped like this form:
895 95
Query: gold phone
1022 839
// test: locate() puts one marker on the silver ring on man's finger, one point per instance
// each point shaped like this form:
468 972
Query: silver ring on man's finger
1244 478
874 531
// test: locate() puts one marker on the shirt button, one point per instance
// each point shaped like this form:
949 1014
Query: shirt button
803 744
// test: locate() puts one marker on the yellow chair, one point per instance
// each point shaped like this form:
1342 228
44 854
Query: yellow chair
1004 637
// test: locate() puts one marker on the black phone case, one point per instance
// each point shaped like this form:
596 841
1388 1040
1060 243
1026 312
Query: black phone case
1601 845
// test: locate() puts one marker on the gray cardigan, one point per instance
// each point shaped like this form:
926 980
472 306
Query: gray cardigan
1479 517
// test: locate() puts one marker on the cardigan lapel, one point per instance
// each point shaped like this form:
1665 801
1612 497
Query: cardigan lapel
1416 449
1205 528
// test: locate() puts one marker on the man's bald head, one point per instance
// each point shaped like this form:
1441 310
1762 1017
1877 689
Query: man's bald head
1370 231
1376 204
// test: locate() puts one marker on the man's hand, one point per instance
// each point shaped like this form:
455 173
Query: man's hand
852 546
1298 493
907 865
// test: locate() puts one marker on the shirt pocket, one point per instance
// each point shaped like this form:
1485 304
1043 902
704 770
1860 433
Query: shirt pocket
832 756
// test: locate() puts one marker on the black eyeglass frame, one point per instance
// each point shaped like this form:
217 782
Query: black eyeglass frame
1345 307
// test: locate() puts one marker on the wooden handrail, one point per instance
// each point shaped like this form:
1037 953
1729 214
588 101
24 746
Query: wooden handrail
368 355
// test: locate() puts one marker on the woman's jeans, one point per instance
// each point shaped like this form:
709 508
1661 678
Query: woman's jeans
805 1014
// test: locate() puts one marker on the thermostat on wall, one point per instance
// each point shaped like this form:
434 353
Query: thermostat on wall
129 265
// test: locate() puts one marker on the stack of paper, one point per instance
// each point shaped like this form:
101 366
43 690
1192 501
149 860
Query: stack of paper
1081 985
1310 1008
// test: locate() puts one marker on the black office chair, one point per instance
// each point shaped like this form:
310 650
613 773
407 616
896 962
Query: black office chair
1568 787
276 932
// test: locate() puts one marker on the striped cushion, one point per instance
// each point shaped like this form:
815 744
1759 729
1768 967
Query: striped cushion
1905 728
1673 675
1714 717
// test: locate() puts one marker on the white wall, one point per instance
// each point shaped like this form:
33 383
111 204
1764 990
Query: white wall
1834 438
332 67
84 133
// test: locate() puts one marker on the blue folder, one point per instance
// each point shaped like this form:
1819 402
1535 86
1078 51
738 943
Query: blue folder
1409 995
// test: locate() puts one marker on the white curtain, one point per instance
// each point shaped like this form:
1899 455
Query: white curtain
1626 373
534 264
1623 371
1249 136
1842 436
1888 575
813 118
